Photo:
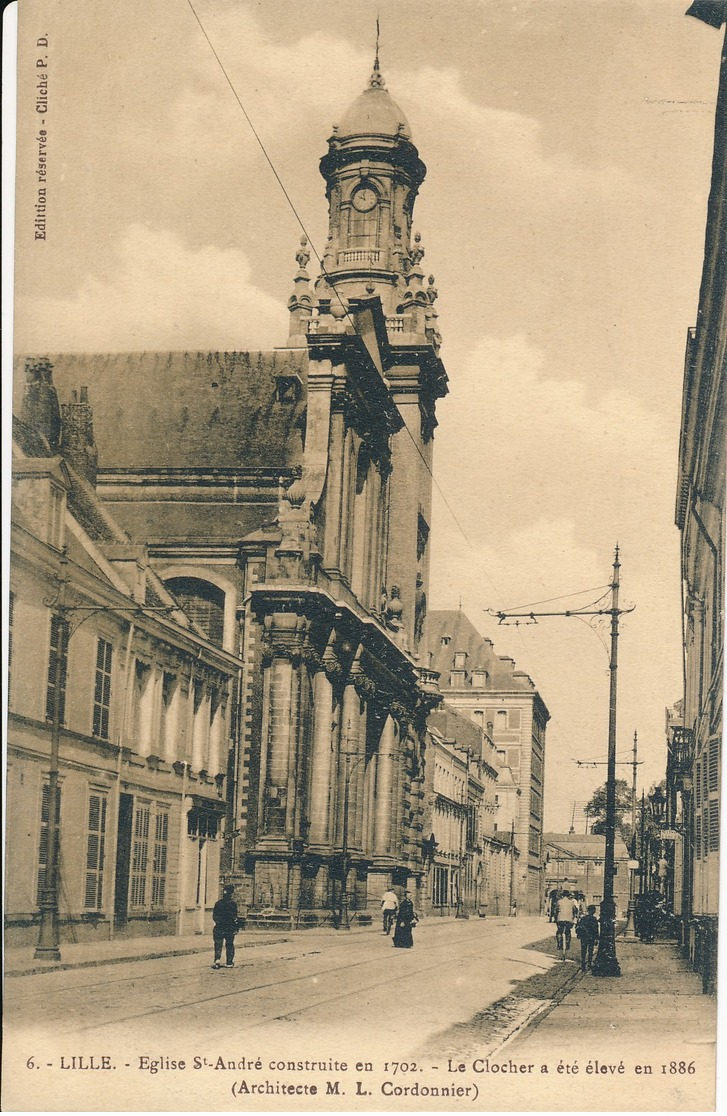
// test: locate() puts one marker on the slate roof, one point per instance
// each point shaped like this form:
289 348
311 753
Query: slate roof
185 409
582 846
453 726
481 654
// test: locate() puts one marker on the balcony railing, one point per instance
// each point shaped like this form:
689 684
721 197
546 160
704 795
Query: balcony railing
360 255
681 750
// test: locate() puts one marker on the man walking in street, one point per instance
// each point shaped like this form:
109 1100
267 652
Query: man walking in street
389 907
587 932
565 916
224 917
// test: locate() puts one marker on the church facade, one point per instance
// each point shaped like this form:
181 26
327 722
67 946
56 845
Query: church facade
284 500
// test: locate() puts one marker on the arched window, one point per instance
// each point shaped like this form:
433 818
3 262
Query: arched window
203 603
363 228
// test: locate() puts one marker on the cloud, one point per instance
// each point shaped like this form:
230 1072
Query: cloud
556 473
162 295
540 441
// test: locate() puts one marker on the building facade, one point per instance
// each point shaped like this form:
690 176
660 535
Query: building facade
575 861
470 866
489 690
285 500
144 707
696 745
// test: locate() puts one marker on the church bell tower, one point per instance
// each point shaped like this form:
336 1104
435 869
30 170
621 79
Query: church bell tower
373 173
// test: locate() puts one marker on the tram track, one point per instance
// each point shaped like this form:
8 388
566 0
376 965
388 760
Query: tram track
305 979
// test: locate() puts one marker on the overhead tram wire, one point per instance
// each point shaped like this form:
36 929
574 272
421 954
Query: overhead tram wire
319 258
562 597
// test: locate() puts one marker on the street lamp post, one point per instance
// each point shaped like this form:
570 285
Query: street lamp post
48 947
606 963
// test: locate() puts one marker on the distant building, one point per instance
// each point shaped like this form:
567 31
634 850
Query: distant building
146 706
503 702
470 865
695 747
575 861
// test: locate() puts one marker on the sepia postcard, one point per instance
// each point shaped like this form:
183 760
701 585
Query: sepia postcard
364 612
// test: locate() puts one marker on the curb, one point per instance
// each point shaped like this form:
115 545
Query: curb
53 967
536 1018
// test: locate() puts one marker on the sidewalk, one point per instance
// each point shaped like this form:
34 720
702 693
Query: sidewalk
653 1015
84 955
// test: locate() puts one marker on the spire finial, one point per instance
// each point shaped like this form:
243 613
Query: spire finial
376 81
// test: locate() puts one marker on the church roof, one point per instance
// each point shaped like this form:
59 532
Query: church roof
374 113
172 410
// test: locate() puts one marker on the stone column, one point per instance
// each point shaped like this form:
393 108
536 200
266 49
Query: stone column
384 786
321 760
332 557
350 727
281 717
358 777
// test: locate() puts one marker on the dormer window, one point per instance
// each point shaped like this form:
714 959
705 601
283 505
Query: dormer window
446 640
460 660
479 679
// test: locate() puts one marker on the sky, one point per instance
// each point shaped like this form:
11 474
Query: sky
568 146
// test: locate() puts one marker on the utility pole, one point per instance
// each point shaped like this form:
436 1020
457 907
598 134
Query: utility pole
629 933
606 963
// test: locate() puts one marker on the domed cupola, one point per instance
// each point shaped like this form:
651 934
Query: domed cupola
373 173
374 113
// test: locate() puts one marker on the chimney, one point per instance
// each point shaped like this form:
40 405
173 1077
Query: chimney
77 440
40 409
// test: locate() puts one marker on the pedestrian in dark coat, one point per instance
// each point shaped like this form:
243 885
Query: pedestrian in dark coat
587 931
406 920
224 917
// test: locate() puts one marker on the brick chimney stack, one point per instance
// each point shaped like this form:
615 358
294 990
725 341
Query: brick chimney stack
40 410
77 440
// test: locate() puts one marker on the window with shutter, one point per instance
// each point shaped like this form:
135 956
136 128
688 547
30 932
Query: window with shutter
43 843
58 648
95 851
102 690
705 780
11 609
713 825
139 856
698 836
159 866
698 784
714 744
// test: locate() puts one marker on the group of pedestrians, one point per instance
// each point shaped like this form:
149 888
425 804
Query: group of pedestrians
566 911
397 914
400 915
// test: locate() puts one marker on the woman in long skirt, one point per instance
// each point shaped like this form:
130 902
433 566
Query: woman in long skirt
405 921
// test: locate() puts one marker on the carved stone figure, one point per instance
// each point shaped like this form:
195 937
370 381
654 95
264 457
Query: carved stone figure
394 610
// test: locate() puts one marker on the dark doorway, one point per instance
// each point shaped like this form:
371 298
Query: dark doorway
123 859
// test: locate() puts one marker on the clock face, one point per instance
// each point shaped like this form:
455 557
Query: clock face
364 199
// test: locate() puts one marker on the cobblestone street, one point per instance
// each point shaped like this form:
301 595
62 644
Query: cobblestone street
477 1005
